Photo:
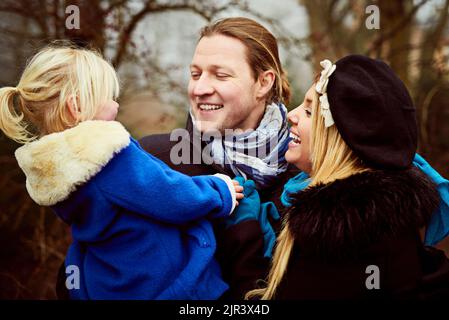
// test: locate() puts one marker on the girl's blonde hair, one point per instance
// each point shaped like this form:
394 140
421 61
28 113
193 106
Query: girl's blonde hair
332 159
55 75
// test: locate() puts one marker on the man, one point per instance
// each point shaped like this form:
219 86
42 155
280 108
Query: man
237 93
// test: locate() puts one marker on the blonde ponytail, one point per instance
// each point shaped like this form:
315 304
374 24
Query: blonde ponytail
11 122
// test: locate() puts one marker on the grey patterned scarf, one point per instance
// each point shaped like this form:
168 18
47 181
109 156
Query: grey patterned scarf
257 154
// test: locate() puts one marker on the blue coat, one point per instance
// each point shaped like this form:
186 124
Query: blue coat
142 231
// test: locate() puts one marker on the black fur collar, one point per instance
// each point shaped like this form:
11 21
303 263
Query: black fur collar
346 215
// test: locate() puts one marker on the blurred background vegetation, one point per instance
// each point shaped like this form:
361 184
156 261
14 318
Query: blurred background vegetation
151 42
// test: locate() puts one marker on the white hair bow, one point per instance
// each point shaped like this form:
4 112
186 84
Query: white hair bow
321 88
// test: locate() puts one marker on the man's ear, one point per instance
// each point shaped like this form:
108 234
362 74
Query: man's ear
266 82
73 108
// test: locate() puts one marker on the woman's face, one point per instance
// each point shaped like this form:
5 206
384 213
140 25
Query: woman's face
300 118
222 89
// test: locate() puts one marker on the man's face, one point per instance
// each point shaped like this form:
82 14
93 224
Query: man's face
222 89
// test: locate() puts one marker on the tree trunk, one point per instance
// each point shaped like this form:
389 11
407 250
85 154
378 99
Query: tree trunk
92 25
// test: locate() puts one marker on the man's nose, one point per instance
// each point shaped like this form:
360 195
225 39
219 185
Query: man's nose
203 86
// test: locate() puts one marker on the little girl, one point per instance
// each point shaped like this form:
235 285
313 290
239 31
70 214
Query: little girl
139 228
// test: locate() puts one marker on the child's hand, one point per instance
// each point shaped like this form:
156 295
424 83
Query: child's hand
238 191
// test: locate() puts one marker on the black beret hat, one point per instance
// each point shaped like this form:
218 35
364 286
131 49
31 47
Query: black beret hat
373 112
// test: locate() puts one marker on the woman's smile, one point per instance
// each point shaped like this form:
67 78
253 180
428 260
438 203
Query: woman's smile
295 139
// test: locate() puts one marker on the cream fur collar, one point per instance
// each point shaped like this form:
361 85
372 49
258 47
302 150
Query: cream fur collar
57 163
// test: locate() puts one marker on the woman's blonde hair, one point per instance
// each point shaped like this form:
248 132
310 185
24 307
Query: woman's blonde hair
332 159
262 52
55 75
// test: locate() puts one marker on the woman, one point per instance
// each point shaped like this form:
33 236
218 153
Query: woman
354 231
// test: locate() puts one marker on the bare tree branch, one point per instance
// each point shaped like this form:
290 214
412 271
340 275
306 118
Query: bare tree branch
283 35
27 9
152 7
393 31
20 34
114 5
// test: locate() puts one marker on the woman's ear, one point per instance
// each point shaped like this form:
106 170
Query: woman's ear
73 108
265 81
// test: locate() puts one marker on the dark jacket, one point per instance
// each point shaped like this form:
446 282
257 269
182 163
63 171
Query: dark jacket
344 228
239 247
